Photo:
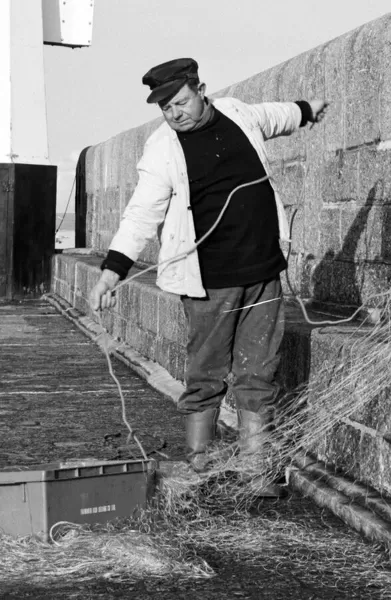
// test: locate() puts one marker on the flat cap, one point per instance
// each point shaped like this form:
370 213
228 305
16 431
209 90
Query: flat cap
166 80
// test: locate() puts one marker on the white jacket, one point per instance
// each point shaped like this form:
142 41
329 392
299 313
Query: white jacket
161 199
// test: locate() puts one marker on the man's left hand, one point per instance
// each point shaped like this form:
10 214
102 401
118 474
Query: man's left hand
319 110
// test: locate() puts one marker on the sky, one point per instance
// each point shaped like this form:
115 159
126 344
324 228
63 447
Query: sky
96 92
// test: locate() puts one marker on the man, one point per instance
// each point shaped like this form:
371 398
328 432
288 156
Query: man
230 286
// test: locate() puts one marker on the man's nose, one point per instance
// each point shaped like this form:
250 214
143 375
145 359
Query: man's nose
176 113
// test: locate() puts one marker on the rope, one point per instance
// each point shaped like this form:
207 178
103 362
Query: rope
251 305
200 241
299 299
124 417
70 525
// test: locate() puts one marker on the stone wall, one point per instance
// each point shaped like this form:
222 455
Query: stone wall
337 174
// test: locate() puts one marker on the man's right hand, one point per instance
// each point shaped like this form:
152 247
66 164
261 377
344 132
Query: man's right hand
101 295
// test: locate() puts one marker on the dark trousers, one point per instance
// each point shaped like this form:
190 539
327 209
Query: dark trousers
245 342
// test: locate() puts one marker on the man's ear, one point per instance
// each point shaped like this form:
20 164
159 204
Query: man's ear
202 90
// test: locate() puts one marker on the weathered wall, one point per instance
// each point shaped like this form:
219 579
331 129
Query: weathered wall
338 174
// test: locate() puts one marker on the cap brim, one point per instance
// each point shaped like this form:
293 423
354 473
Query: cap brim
166 90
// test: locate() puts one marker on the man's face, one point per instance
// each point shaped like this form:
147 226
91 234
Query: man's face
184 111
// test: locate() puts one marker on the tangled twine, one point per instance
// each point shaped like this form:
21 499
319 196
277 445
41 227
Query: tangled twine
198 515
346 385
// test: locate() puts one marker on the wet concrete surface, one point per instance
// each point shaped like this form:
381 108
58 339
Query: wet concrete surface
58 402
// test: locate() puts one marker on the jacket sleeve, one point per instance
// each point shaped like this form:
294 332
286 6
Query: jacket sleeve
277 118
147 207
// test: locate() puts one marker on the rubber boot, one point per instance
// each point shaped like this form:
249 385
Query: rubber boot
200 432
254 433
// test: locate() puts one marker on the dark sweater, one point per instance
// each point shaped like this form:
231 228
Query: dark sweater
244 248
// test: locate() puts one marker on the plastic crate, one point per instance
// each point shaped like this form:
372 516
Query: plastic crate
33 499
